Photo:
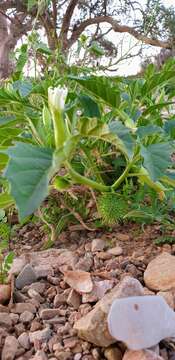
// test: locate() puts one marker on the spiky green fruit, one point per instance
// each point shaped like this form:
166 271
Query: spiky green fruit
111 207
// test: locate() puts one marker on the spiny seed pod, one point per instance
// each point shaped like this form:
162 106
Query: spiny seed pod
111 208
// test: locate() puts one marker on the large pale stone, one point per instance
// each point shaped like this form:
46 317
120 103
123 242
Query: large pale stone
160 273
10 348
141 355
93 326
53 257
141 322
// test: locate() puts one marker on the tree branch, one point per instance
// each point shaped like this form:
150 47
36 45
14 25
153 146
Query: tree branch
67 20
117 28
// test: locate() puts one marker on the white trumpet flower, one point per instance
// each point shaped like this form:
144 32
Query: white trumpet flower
57 98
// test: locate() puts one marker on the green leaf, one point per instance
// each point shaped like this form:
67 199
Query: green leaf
8 260
169 178
8 134
101 87
117 128
28 172
90 107
6 200
169 128
156 159
148 130
22 59
24 87
155 107
91 127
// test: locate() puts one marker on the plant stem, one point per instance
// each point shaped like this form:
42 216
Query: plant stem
59 128
85 181
122 177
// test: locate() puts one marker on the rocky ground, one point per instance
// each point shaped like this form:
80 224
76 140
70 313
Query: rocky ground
62 296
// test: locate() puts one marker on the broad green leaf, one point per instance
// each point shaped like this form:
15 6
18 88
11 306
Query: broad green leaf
148 130
156 159
123 133
169 128
169 178
90 107
93 128
6 200
101 87
28 172
24 87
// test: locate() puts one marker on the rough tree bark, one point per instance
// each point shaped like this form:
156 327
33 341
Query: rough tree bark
5 48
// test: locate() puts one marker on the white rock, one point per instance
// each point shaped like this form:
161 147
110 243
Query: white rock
168 296
144 321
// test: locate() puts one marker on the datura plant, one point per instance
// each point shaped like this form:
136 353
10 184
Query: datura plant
123 115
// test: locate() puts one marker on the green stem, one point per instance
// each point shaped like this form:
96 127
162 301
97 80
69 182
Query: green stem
85 181
122 177
59 128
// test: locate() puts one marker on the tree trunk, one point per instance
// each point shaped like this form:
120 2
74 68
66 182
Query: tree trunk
6 45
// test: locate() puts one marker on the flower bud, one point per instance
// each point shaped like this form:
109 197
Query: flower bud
57 97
